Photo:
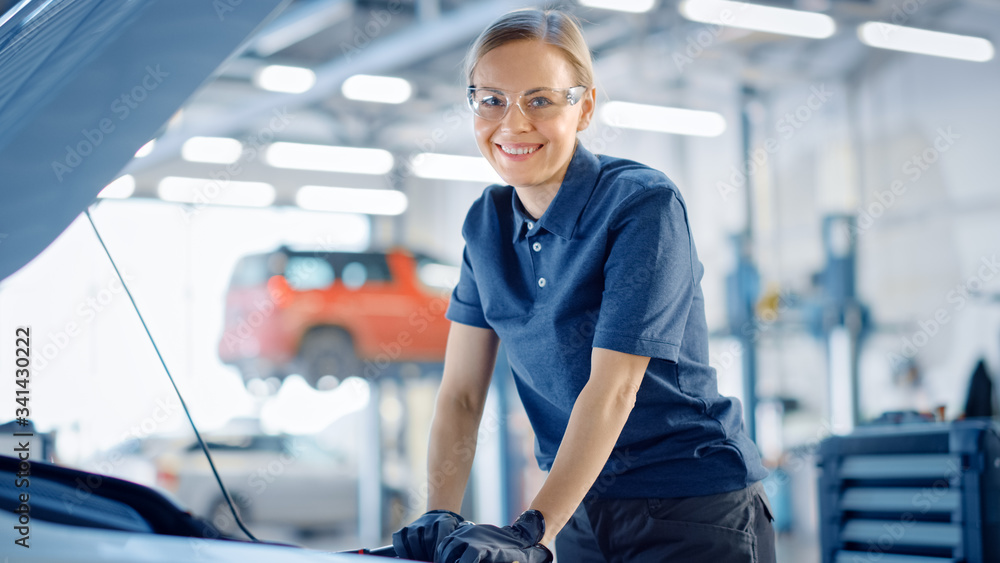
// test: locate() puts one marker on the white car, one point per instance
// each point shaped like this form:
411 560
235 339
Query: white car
276 480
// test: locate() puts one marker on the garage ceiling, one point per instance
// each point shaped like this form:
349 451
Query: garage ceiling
424 41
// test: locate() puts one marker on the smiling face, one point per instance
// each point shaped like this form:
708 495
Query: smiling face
542 149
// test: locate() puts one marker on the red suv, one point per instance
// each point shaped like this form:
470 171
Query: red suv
320 313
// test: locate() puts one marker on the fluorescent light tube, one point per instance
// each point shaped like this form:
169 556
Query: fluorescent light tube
120 188
454 167
290 79
217 150
634 6
925 42
663 119
204 191
299 24
759 18
328 158
351 200
381 89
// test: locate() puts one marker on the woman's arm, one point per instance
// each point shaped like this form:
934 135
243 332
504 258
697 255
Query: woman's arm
470 356
595 423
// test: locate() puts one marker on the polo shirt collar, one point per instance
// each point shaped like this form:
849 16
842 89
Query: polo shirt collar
563 213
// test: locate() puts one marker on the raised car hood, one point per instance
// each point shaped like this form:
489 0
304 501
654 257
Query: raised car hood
83 85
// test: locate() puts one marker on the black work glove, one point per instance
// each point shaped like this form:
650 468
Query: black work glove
419 540
484 543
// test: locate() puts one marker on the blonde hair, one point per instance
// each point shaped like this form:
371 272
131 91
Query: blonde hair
554 27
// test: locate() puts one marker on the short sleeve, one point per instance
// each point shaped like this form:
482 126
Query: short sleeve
648 276
465 306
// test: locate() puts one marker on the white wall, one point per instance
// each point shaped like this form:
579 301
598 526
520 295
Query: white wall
917 248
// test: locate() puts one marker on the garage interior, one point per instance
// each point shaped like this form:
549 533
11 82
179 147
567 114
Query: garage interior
839 190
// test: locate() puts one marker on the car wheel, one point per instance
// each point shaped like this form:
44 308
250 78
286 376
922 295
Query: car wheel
328 351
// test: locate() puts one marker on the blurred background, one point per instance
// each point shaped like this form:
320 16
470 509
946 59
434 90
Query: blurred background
290 237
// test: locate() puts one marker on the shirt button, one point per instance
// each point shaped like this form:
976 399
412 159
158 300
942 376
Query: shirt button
530 225
541 282
536 247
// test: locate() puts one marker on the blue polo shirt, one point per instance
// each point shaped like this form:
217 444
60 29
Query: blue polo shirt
610 264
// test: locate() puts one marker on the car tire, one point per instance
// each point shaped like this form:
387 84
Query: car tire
328 351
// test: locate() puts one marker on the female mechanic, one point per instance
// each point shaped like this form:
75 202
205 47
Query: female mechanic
584 266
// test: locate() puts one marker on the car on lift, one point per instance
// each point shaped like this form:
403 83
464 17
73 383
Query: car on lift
331 313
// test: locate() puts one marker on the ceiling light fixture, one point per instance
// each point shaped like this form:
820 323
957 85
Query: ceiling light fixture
204 191
662 119
454 167
925 42
381 89
216 150
351 200
279 78
634 6
759 18
328 158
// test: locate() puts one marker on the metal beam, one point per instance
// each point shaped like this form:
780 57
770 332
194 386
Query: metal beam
299 23
362 54
428 10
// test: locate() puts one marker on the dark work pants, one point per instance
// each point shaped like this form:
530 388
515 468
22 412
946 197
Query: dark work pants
732 527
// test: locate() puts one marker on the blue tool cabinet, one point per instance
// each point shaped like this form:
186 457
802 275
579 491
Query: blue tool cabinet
911 493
